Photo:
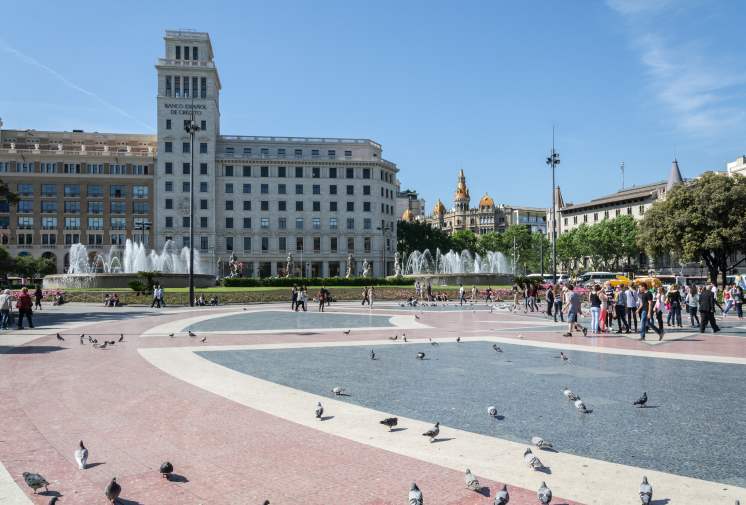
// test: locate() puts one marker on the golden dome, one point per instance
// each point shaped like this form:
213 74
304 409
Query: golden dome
407 216
486 201
439 208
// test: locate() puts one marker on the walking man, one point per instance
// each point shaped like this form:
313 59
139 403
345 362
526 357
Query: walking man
707 304
631 306
620 305
38 295
5 304
461 294
24 304
645 309
156 298
572 308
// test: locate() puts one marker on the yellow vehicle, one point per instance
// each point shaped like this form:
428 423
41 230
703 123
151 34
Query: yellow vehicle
650 281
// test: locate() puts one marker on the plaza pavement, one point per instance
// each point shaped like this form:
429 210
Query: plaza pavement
234 438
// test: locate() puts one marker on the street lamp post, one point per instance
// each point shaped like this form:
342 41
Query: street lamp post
384 229
553 160
191 128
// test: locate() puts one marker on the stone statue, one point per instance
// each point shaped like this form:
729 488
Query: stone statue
36 147
349 266
12 146
366 268
106 148
289 266
59 147
397 264
82 148
235 266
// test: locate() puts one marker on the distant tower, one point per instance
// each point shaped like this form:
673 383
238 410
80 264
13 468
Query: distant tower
461 197
439 213
674 177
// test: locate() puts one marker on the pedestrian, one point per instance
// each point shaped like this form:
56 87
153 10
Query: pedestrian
461 292
24 306
692 303
620 306
161 295
156 298
322 297
370 297
429 292
660 303
728 300
304 298
645 309
558 293
573 304
365 296
474 293
550 301
738 300
294 298
516 293
38 295
632 302
594 299
707 303
608 321
5 305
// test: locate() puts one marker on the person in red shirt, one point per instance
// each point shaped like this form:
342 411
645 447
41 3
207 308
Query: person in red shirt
24 304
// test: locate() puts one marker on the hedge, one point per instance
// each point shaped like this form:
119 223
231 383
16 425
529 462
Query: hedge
312 281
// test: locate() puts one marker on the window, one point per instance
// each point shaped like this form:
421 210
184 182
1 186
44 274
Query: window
350 223
333 244
298 154
282 205
350 206
168 84
95 223
185 222
585 218
265 243
117 191
229 187
264 189
299 206
229 151
247 243
282 223
94 168
282 243
203 187
229 205
185 147
264 171
367 225
316 172
27 206
350 244
229 222
264 205
595 216
348 154
299 171
169 168
168 93
282 172
298 223
641 210
138 169
574 219
247 223
139 191
617 212
185 187
316 223
169 186
332 189
332 172
203 87
228 243
74 238
350 190
48 223
203 169
606 214
203 222
71 223
95 207
203 204
49 239
26 222
50 206
178 52
299 189
203 147
298 243
264 152
168 147
264 223
246 171
281 153
316 244
46 168
332 206
71 190
204 243
629 211
366 190
246 188
366 173
185 241
350 173
169 222
281 189
185 168
332 223
366 206
69 168
317 206
118 223
366 244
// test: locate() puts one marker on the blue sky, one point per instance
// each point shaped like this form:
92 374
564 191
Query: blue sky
442 85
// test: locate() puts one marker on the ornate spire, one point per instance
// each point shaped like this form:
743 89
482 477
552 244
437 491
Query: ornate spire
674 177
461 196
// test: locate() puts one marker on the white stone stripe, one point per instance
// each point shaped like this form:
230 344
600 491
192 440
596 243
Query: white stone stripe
585 480
10 493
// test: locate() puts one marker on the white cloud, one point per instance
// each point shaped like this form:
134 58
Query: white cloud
630 7
36 63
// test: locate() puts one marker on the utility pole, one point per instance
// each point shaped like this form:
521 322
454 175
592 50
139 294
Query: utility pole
553 160
191 128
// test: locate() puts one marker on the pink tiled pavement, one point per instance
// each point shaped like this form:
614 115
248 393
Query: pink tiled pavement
133 417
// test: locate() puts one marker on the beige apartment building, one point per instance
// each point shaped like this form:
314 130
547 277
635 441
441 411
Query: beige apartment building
92 188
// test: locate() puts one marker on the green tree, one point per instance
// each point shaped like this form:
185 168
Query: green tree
703 220
27 266
418 236
518 243
7 263
6 193
491 241
466 239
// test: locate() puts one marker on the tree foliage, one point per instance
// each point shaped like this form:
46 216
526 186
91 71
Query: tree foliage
704 220
418 236
6 193
609 244
28 266
466 239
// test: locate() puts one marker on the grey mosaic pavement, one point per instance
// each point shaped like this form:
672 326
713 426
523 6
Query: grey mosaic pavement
289 320
694 427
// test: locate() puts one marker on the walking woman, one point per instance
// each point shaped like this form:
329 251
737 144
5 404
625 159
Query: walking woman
594 298
365 296
550 300
660 302
692 303
557 291
738 300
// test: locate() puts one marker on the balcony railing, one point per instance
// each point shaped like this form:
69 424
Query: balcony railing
89 152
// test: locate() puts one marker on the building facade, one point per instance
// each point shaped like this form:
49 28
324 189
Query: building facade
486 217
265 200
409 206
738 166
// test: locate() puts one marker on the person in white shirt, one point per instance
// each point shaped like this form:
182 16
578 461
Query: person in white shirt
5 305
632 303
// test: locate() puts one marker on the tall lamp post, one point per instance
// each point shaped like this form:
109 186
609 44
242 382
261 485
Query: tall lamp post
553 160
384 229
191 128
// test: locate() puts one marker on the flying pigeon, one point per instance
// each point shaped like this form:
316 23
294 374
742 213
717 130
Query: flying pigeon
166 470
121 337
338 390
81 456
204 339
112 490
471 481
458 340
491 410
390 422
191 333
544 494
372 354
346 332
581 406
420 355
496 348
319 410
563 356
59 337
642 400
433 432
502 497
532 461
569 394
35 481
541 443
415 495
646 492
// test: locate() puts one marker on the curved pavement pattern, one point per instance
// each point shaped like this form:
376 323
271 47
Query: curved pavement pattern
236 438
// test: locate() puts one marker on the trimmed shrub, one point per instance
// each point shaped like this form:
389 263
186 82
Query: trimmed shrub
312 281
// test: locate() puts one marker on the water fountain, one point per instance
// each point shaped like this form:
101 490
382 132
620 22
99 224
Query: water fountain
458 267
117 267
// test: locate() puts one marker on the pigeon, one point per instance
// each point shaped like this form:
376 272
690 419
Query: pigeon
266 502
502 497
432 342
95 341
415 495
81 456
492 411
405 338
81 343
204 339
35 481
191 333
372 354
59 337
563 356
646 492
581 406
110 342
544 494
53 501
112 490
103 346
569 394
532 461
346 332
420 355
395 337
90 340
640 402
496 348
433 432
458 340
166 470
319 410
171 335
416 316
121 337
471 481
541 443
390 422
245 308
338 390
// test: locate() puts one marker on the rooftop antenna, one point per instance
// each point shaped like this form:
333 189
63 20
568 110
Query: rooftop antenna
621 167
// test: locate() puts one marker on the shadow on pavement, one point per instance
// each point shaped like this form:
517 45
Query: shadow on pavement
39 349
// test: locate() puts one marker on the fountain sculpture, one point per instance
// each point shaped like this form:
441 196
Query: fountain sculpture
458 267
